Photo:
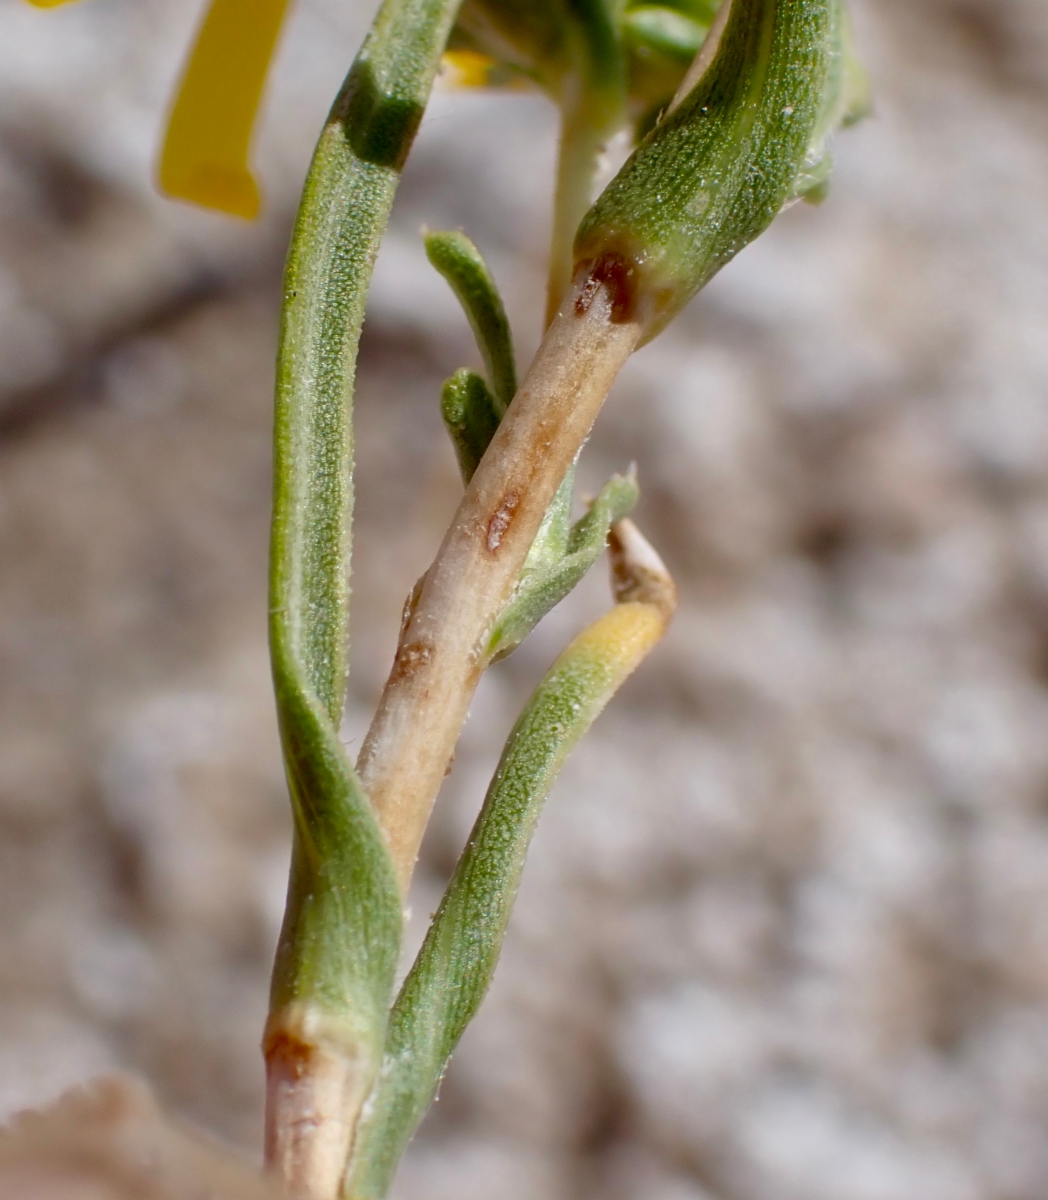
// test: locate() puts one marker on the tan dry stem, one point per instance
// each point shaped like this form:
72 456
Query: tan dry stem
441 653
314 1094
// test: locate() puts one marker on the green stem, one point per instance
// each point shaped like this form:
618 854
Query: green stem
583 138
593 108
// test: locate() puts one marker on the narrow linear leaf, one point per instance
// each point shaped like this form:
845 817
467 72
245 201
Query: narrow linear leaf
342 922
461 264
615 500
339 943
551 541
471 416
454 967
845 100
657 29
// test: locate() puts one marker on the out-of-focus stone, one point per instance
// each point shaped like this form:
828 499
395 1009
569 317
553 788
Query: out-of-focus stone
110 1141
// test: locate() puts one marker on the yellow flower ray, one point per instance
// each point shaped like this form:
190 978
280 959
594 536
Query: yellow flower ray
464 69
205 154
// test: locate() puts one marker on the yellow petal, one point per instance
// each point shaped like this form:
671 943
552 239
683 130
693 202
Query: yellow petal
465 69
205 155
47 3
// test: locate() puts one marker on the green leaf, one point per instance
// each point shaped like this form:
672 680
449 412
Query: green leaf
339 943
660 30
471 416
556 564
845 100
461 264
340 938
531 35
714 173
661 42
549 40
701 11
458 957
551 541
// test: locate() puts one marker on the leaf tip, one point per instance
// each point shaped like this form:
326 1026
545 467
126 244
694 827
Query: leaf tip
638 574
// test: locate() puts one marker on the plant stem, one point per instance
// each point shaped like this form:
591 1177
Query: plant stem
582 142
313 1097
448 980
440 657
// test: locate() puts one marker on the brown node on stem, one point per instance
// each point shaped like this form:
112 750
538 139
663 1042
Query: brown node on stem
620 276
293 1053
314 1092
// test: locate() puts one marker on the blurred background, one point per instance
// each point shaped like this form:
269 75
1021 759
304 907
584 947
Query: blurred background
783 933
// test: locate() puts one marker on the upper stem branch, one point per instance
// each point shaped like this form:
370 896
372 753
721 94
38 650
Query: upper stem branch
583 140
441 655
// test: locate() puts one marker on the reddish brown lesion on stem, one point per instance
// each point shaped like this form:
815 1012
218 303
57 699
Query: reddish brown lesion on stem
619 276
411 657
500 521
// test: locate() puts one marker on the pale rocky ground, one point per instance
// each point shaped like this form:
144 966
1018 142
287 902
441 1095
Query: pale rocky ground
784 930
